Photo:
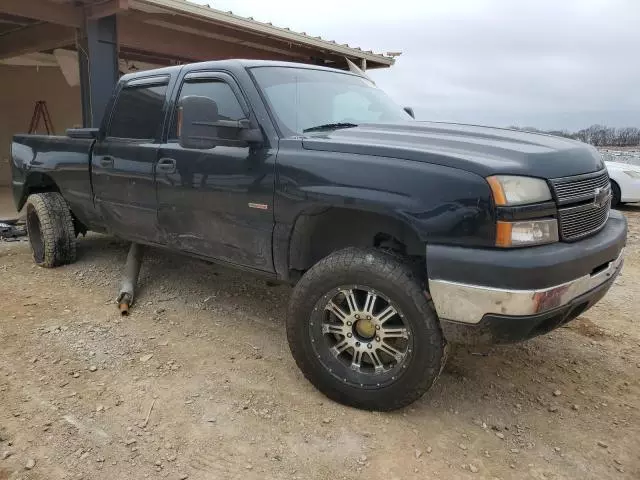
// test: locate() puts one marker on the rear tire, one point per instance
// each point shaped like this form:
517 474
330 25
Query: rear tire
357 375
615 195
50 229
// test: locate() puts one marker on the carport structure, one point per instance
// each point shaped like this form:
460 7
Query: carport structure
70 53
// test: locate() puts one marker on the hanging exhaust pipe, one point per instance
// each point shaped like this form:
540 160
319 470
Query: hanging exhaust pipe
130 278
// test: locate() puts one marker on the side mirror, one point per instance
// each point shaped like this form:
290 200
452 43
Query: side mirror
197 117
409 110
200 127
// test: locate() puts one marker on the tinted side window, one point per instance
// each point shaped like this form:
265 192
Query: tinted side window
138 112
220 92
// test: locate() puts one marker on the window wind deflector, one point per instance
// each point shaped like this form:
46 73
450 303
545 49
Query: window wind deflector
148 81
329 126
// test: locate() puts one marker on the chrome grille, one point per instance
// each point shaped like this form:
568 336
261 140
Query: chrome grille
580 188
584 202
578 222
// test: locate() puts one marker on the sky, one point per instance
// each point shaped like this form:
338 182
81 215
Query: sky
550 64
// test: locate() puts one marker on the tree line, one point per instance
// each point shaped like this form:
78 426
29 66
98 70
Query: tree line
597 135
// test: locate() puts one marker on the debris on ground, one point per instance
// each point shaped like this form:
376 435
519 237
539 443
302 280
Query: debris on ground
11 231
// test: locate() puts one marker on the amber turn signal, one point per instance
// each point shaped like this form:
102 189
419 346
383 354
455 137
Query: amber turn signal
498 192
503 234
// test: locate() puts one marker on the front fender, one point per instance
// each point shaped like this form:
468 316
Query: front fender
441 204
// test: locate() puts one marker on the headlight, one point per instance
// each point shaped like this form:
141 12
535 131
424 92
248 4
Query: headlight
510 190
527 233
633 173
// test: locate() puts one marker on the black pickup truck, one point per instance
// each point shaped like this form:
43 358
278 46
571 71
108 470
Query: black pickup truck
400 236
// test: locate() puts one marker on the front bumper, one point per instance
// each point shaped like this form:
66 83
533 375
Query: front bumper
525 292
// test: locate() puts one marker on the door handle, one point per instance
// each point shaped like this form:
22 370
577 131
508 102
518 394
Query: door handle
106 161
166 165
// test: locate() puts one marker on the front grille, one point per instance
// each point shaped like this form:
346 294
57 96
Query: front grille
580 221
575 189
584 202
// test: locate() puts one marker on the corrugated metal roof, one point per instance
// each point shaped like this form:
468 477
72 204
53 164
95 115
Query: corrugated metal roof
188 8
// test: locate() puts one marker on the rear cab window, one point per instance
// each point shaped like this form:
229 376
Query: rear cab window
137 113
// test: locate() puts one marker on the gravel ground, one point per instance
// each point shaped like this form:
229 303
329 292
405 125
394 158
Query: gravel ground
198 383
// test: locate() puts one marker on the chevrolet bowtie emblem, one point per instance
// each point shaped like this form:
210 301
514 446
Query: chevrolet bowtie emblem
601 196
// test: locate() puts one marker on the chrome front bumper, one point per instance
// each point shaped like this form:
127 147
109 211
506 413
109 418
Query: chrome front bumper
465 303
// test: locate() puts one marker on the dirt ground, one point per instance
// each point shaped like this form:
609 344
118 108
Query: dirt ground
198 383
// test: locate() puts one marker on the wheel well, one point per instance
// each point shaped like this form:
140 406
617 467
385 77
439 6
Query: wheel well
317 235
41 183
38 183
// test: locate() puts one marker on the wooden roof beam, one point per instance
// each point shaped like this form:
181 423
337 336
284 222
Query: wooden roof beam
44 36
182 45
108 8
65 14
61 14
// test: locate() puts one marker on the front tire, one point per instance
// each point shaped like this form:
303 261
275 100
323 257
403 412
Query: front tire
615 195
364 332
50 229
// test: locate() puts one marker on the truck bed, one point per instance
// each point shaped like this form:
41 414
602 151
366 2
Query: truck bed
42 160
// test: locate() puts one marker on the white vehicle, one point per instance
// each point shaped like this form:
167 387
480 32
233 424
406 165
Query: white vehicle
625 182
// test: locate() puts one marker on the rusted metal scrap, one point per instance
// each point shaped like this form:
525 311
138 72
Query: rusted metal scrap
130 278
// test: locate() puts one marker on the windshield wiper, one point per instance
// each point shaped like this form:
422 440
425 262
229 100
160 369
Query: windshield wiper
329 126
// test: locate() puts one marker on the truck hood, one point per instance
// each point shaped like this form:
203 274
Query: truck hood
481 150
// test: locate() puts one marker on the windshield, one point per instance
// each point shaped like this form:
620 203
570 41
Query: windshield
304 98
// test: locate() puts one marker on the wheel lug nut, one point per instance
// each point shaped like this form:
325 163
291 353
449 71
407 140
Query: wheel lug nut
368 317
377 327
348 324
357 344
369 346
349 335
357 316
377 339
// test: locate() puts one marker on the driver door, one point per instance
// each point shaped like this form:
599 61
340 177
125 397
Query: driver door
217 202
